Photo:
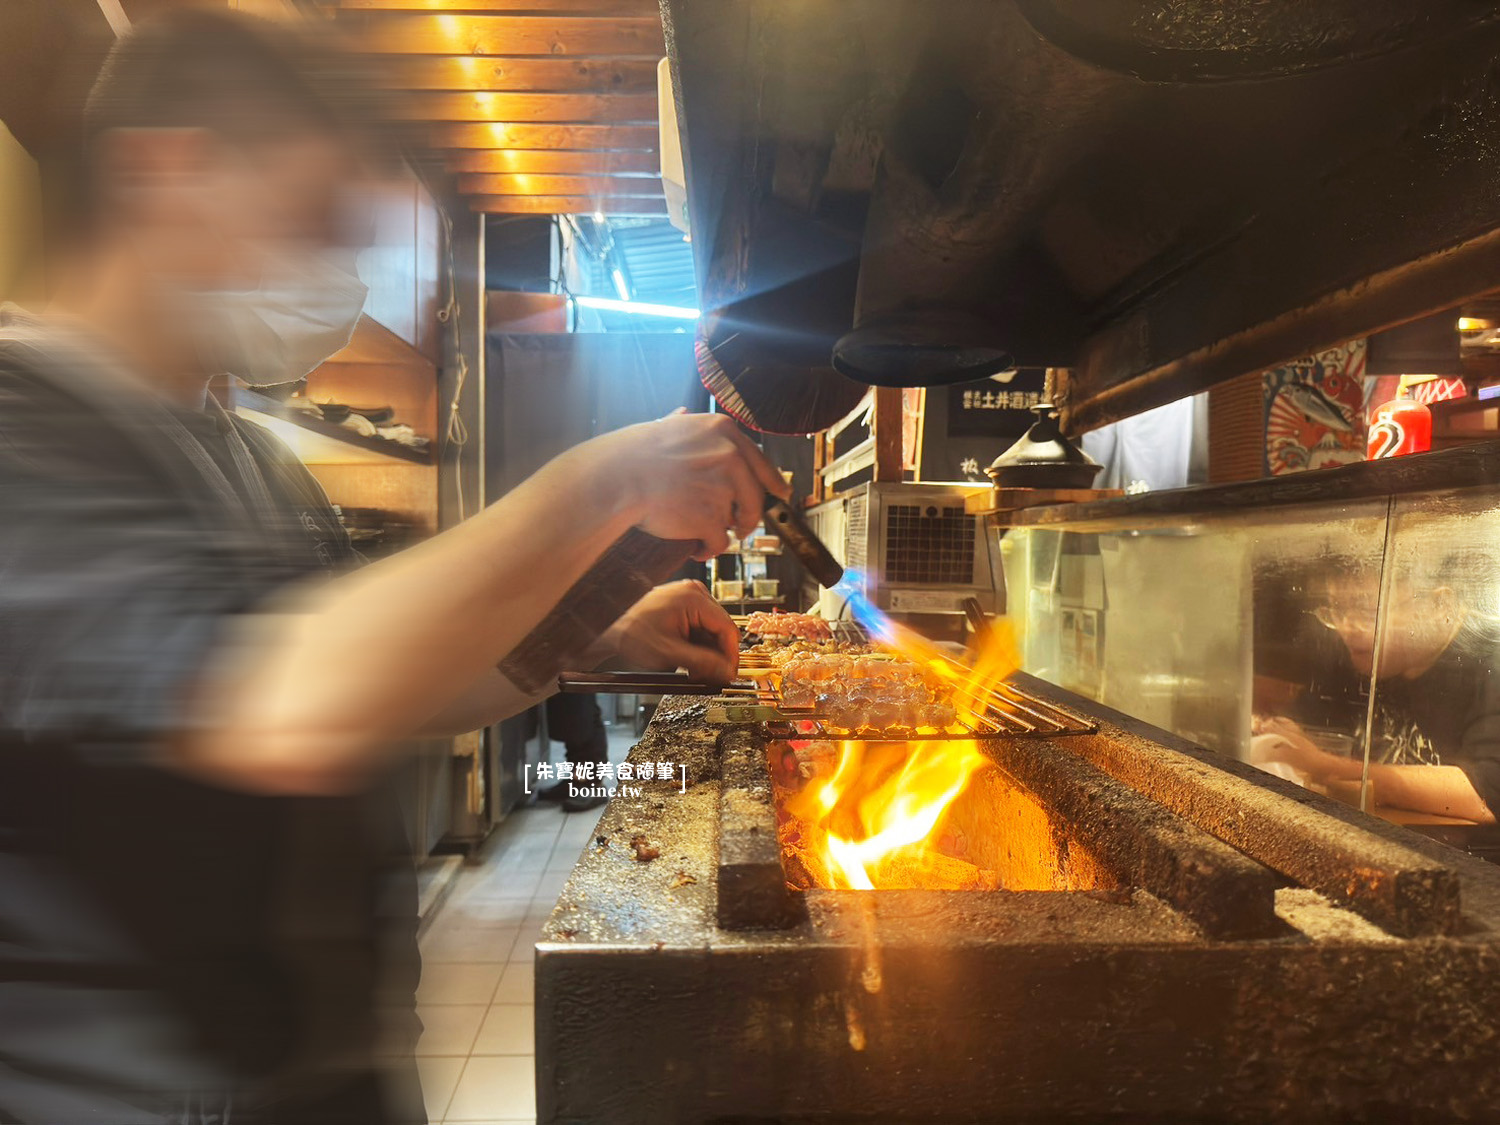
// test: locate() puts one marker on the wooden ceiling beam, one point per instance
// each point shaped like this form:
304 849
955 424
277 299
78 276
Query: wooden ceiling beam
641 8
404 33
564 205
522 75
540 162
639 187
593 109
504 134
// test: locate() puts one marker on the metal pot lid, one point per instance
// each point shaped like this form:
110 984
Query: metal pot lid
1043 444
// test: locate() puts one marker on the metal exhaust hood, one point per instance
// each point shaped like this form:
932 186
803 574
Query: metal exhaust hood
1158 196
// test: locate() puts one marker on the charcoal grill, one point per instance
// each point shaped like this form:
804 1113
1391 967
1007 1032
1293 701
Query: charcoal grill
1179 938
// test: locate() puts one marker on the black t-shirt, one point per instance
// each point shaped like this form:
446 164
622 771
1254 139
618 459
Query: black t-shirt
1450 714
167 949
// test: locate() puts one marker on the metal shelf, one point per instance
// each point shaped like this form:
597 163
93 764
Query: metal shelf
318 441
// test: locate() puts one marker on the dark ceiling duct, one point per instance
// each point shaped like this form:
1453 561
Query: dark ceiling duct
1157 196
1238 40
766 358
768 351
921 347
1426 346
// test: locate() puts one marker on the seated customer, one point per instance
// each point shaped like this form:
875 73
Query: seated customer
1437 669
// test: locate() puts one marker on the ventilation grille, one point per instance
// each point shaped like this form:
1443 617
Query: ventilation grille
929 544
857 531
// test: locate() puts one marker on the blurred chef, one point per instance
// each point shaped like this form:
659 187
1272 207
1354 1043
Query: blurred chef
1438 690
198 688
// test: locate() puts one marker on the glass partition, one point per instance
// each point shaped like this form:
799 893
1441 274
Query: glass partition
1284 636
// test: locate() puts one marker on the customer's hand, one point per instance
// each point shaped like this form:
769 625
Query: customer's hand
686 476
678 626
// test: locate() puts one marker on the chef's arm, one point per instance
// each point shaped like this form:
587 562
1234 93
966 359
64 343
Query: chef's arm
489 699
1442 790
677 625
313 697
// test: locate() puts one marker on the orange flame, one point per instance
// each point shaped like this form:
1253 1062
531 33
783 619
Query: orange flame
878 821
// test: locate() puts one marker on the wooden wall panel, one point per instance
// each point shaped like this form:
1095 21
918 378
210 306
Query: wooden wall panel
1237 430
430 266
403 268
20 222
389 267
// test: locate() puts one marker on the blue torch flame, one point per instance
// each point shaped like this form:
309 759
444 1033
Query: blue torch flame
875 620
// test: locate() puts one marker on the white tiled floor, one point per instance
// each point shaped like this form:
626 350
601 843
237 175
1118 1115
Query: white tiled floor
476 1055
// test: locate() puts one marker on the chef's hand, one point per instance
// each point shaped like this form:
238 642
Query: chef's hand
1287 730
1290 745
661 633
686 476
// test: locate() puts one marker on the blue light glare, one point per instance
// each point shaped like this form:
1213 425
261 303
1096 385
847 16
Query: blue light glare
874 620
640 308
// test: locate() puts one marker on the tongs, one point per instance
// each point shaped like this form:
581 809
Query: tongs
645 683
979 623
803 542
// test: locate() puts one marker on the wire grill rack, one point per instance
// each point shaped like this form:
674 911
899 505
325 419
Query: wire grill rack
849 632
844 631
1000 711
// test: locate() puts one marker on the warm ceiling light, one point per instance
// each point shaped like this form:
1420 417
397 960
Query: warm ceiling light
1474 324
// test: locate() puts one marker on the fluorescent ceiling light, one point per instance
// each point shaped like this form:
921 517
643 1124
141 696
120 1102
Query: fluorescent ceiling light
641 308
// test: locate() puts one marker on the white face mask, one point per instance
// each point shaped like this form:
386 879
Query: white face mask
304 311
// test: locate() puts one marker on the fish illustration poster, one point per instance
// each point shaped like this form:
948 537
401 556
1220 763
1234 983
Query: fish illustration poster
1314 411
